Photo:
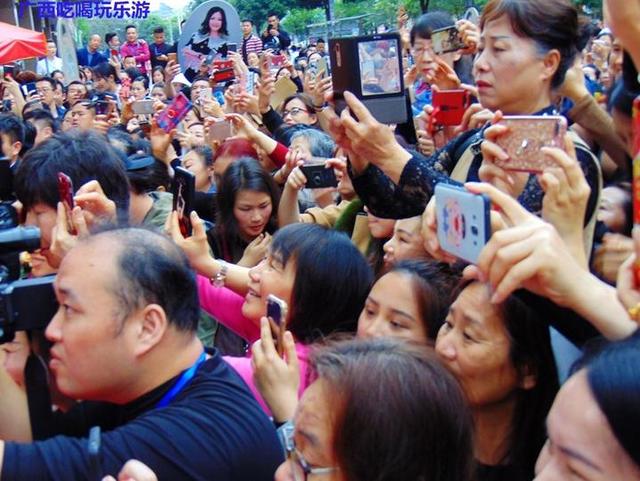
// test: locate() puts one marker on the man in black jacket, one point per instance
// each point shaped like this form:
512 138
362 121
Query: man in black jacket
124 341
274 37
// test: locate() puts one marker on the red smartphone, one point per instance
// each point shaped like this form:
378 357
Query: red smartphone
525 137
277 315
114 52
449 107
184 192
65 190
170 117
223 70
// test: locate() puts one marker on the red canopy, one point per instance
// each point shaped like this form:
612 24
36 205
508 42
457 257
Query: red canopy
18 43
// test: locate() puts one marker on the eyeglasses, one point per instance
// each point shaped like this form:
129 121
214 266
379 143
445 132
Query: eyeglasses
44 90
294 112
300 467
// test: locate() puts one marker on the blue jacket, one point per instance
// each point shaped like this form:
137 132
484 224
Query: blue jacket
83 58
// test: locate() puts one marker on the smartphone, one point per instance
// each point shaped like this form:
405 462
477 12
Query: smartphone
65 190
449 107
103 107
143 107
172 56
464 225
206 93
145 127
28 89
277 315
445 40
318 176
170 117
322 68
250 85
277 61
114 52
526 136
219 130
184 192
8 71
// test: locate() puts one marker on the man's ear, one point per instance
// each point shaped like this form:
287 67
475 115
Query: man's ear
16 147
152 325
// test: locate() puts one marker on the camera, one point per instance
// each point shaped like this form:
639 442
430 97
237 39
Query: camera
318 176
25 304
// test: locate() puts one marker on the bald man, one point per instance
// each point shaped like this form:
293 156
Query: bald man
89 56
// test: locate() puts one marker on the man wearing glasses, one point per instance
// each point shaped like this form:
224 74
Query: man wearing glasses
45 89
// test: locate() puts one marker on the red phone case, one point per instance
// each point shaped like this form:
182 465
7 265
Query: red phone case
170 117
65 190
449 107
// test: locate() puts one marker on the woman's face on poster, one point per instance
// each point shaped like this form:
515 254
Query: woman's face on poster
215 22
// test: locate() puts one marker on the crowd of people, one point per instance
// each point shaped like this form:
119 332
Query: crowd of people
302 330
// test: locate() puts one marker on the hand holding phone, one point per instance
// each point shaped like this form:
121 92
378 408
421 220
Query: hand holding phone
170 117
463 219
65 190
184 192
277 314
524 139
318 176
445 40
143 107
449 107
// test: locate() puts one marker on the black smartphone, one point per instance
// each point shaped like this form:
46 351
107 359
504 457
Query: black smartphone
318 176
103 107
184 192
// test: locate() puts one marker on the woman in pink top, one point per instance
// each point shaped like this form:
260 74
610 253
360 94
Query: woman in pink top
319 273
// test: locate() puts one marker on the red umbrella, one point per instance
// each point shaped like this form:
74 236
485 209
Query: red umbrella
19 43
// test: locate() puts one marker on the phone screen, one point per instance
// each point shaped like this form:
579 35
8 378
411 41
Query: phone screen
446 40
184 188
379 67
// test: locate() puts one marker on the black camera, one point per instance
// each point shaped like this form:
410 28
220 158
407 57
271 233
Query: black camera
318 176
25 304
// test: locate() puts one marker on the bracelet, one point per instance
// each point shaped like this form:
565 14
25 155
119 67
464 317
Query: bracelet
634 312
221 276
320 108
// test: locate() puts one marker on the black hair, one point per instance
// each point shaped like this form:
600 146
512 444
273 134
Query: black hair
83 156
204 26
133 73
55 72
243 174
58 83
432 284
595 69
204 152
109 36
158 30
248 20
12 126
613 378
200 78
320 40
104 70
141 78
121 141
130 26
153 270
51 81
273 14
621 99
41 115
30 133
148 179
429 22
331 283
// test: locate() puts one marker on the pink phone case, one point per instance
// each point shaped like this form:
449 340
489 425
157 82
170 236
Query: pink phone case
524 139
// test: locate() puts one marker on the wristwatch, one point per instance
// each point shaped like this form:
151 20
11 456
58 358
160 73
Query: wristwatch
221 276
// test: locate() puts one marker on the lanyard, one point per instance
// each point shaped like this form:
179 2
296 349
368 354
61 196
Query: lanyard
184 379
